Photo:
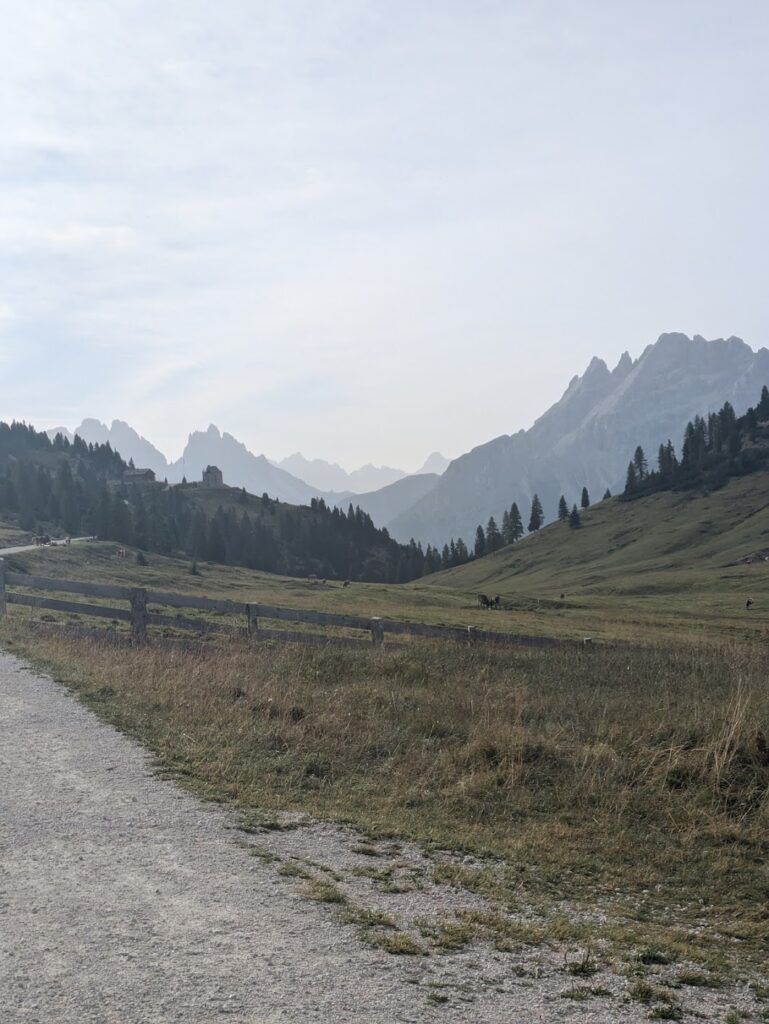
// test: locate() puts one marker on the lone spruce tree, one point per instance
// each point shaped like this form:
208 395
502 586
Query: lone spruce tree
606 494
516 523
574 519
585 499
563 510
537 516
480 542
641 466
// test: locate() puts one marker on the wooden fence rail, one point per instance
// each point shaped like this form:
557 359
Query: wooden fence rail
141 616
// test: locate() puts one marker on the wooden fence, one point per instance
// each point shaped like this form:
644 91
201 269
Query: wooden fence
140 616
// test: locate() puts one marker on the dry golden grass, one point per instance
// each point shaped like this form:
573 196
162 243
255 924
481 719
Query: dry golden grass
633 777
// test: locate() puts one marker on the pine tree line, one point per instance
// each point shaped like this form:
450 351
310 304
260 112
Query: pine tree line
713 450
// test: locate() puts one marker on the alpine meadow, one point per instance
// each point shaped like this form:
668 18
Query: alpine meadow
384 554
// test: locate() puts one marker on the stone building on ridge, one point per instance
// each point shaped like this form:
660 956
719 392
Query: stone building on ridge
212 477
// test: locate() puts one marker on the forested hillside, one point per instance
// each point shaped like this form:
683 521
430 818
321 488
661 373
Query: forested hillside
74 487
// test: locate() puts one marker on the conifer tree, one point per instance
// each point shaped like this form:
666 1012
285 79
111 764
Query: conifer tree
506 527
537 517
606 494
574 518
641 466
563 510
480 542
516 523
493 536
585 499
631 481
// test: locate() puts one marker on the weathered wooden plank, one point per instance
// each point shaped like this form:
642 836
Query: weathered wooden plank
139 614
206 604
425 629
54 604
264 611
310 638
196 625
20 579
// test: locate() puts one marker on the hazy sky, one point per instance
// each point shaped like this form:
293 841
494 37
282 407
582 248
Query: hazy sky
367 230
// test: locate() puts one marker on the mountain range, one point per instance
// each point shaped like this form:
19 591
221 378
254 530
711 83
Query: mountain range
585 440
295 480
588 437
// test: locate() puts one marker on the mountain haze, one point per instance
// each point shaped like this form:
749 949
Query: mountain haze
389 502
588 437
329 476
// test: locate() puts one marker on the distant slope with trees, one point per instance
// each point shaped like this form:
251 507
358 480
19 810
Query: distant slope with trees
584 439
74 487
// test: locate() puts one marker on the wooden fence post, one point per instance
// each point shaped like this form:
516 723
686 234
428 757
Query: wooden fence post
139 614
3 606
377 632
252 619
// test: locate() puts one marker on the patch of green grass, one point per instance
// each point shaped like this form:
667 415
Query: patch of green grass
697 979
666 1012
366 918
644 992
580 993
324 892
655 956
448 934
290 869
260 852
397 944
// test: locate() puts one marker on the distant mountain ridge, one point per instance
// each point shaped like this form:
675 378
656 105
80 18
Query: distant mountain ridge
329 476
588 437
295 479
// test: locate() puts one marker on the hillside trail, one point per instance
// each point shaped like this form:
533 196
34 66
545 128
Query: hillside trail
125 899
23 548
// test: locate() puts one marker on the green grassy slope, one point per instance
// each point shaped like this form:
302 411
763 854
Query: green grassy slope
656 568
668 540
670 555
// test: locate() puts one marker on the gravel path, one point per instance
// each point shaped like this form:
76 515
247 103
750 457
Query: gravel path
125 899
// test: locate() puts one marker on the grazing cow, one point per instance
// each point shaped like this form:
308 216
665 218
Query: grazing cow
749 602
122 553
496 602
346 583
483 601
